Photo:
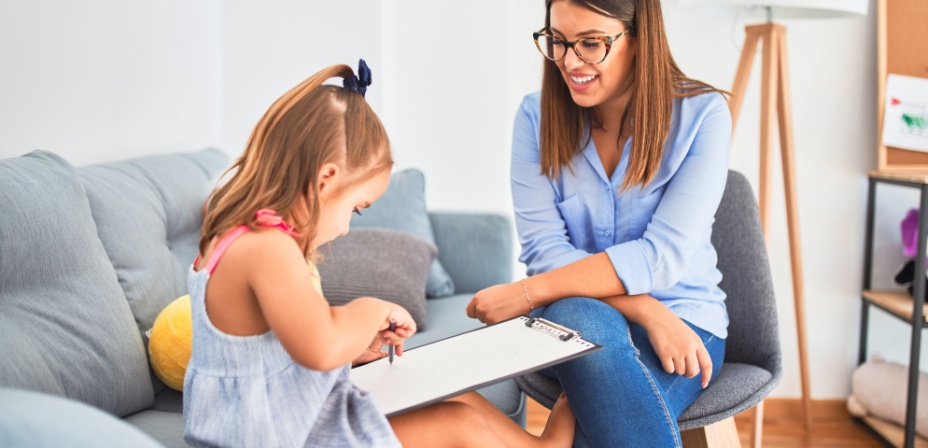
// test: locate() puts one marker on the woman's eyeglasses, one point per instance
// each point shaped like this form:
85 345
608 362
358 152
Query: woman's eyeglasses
591 50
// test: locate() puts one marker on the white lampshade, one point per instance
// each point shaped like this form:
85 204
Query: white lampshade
799 9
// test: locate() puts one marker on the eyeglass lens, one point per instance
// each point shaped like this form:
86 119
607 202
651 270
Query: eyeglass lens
591 50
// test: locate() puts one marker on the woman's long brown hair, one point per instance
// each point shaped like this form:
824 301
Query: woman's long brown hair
309 126
657 81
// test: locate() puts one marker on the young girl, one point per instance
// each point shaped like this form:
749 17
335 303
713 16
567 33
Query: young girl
271 359
618 167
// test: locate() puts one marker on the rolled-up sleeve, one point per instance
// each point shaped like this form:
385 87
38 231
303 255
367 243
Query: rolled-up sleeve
682 222
542 230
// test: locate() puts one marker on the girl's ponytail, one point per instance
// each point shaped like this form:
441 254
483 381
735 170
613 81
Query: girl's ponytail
310 125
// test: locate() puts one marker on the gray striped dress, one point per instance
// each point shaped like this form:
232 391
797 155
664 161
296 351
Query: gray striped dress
247 391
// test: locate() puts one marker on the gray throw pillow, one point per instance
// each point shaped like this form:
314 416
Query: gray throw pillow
380 263
65 326
402 208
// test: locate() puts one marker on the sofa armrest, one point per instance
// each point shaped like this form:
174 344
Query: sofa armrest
475 249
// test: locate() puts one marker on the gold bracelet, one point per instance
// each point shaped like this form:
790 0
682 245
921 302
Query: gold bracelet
527 299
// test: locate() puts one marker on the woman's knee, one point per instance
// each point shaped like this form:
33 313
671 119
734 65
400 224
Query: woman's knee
594 319
600 323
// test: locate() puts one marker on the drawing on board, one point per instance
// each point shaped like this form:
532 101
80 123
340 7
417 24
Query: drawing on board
905 123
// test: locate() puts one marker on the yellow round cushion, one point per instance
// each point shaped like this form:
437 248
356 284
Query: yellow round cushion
170 343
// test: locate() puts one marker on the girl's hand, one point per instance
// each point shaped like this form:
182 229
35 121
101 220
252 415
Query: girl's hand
679 348
372 353
404 327
498 303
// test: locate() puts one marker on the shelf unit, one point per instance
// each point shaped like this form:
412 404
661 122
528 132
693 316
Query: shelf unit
897 303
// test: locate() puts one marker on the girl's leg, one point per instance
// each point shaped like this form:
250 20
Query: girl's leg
621 395
470 420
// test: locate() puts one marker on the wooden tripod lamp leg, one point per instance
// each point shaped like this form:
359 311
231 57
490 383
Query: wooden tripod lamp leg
776 110
768 122
784 113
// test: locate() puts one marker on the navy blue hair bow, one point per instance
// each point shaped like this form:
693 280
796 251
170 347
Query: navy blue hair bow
359 82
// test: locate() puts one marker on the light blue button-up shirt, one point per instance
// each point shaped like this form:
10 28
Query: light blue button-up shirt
657 237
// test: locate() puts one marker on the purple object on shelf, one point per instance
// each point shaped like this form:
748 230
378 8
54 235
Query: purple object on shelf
909 227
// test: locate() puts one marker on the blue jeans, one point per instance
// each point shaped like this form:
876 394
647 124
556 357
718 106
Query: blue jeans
621 395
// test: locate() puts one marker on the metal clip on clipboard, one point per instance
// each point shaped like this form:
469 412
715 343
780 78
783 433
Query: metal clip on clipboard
561 332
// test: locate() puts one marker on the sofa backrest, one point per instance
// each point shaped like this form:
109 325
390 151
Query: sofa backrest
475 248
65 326
148 214
88 258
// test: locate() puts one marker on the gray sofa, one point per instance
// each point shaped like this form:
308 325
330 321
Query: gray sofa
88 258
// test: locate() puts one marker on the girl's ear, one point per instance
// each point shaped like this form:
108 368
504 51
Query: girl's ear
328 177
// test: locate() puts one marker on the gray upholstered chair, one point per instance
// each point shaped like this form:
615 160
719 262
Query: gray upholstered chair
752 365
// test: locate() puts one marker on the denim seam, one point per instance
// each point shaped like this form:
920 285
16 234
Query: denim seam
654 389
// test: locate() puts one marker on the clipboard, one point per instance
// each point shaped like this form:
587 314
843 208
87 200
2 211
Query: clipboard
468 361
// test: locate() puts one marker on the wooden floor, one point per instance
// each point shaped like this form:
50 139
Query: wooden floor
783 426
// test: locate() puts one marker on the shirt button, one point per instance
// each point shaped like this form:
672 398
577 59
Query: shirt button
608 233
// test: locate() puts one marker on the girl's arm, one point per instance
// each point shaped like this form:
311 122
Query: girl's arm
316 335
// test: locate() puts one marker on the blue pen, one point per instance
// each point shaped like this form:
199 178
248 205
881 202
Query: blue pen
390 350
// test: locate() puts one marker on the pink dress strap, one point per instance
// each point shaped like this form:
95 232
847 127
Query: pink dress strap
268 218
264 218
224 244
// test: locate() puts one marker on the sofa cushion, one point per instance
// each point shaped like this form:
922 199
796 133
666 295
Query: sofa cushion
148 213
166 427
402 208
386 264
65 326
447 317
35 420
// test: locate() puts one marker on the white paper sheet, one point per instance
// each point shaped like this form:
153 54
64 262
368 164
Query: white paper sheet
462 363
905 122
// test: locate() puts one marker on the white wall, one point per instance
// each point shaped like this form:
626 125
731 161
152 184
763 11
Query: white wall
271 46
99 80
456 75
108 80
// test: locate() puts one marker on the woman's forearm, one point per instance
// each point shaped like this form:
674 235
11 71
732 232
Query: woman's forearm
593 276
641 309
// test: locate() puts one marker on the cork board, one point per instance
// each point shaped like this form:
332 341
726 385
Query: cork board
902 49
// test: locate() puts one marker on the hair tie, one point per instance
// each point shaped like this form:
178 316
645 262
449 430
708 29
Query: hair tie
359 82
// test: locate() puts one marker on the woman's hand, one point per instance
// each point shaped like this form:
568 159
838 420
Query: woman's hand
498 303
679 348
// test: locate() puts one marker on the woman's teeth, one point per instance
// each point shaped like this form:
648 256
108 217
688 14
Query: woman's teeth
582 79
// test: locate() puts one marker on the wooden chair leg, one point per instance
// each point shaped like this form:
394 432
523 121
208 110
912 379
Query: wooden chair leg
723 434
758 435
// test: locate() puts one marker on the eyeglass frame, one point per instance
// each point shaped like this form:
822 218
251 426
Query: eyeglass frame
606 40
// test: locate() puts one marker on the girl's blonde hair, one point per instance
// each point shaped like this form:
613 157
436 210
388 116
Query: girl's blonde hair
309 126
657 81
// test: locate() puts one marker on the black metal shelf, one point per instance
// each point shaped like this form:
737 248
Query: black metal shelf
900 304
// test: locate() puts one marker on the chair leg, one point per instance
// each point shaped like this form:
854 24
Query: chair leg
722 434
758 435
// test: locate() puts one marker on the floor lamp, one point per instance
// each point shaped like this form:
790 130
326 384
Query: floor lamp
776 113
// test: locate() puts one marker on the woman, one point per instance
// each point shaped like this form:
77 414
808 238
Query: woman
618 167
